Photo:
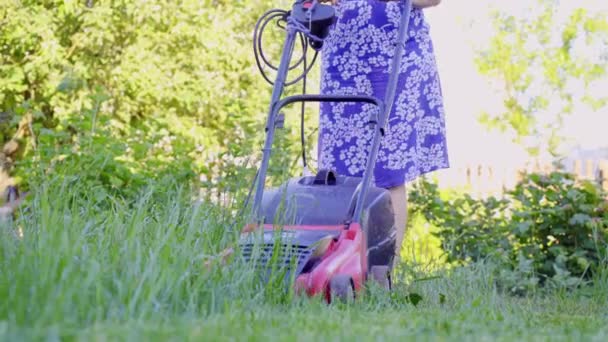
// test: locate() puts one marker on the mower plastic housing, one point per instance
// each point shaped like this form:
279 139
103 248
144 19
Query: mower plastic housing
328 199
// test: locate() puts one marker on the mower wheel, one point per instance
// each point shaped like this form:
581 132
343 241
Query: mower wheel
382 276
341 289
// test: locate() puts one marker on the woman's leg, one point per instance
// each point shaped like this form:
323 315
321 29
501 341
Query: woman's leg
399 199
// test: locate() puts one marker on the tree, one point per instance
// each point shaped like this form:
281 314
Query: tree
546 66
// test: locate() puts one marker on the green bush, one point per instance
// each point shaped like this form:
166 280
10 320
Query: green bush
151 86
91 157
549 230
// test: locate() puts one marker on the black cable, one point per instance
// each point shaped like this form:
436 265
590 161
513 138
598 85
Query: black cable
314 59
268 17
264 19
281 17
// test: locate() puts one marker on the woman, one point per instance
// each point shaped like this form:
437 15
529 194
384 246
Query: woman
356 59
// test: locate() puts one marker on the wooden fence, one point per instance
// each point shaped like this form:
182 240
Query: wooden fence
484 179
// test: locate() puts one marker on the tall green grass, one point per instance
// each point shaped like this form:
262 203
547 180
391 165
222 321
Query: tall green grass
85 267
80 262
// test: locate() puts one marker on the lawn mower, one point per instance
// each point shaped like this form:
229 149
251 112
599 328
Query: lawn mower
332 232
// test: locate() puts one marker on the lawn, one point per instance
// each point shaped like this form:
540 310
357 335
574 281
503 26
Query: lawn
482 317
104 269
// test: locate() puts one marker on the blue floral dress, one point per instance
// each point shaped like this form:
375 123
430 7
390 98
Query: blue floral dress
356 59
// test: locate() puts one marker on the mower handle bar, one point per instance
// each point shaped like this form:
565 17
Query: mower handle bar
330 98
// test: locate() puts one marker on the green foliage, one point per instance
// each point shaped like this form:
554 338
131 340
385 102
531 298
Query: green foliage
547 68
88 154
176 74
548 230
72 270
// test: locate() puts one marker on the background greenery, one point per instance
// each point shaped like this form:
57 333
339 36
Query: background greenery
135 90
115 114
550 230
547 65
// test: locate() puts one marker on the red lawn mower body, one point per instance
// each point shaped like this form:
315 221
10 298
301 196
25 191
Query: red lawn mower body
317 245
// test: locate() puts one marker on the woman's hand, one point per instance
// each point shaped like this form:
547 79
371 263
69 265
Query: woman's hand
425 3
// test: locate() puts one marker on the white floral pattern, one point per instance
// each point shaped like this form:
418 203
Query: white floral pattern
356 59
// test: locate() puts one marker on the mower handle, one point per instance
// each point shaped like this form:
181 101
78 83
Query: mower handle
329 98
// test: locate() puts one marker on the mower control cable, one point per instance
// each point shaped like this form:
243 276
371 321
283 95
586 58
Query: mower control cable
284 18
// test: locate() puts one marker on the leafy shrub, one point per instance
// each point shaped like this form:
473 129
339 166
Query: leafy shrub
149 86
98 163
550 229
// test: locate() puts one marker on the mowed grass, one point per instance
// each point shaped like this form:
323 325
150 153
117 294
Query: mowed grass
77 268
